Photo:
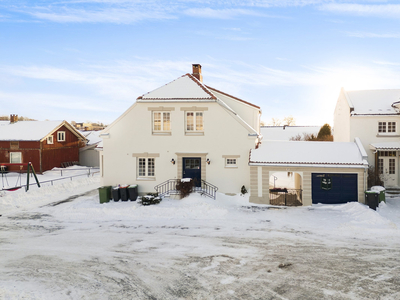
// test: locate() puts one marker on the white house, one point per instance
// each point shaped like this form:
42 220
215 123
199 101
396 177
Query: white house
182 129
89 155
372 115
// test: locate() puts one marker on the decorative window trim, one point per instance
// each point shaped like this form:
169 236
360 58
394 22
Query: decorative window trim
15 157
146 168
194 108
161 108
50 140
163 117
61 136
195 123
231 161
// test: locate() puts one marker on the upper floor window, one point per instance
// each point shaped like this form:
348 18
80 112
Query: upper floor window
161 121
50 139
386 127
194 121
61 136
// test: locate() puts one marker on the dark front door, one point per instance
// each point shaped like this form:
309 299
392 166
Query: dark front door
192 169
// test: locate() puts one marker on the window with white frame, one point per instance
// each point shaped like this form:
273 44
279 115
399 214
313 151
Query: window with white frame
146 167
161 121
231 162
61 136
386 127
194 121
50 139
15 157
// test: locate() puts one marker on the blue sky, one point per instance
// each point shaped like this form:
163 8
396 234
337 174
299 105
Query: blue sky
88 60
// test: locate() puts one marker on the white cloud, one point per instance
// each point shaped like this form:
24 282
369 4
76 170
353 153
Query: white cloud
377 10
373 35
220 13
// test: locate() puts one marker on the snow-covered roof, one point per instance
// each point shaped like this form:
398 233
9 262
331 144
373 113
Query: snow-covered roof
4 123
30 130
306 153
284 133
92 137
385 146
184 88
373 102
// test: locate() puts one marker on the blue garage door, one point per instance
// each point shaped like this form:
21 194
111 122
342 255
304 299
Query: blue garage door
332 188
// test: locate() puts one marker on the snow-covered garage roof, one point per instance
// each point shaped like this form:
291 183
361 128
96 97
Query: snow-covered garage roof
373 102
308 153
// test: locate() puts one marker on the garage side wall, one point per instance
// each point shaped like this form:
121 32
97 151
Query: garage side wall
260 195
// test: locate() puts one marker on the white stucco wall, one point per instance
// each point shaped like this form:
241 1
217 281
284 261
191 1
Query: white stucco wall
132 134
341 120
366 128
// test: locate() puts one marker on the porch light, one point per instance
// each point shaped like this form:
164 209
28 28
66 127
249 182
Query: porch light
208 161
173 161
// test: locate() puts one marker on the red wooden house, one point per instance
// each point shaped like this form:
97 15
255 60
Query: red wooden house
46 144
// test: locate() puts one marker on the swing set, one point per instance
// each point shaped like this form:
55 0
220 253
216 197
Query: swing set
30 169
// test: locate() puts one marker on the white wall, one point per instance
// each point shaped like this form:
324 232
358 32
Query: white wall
132 133
341 120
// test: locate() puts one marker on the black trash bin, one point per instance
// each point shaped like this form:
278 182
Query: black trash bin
123 191
372 199
115 193
133 192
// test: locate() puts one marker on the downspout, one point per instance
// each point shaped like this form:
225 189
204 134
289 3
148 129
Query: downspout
40 156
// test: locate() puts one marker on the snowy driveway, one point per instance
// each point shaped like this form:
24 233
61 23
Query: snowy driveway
195 248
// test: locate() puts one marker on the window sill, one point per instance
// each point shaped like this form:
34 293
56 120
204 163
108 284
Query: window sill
231 167
162 133
146 179
194 133
387 135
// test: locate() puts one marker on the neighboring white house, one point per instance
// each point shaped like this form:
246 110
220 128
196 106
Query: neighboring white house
374 117
182 129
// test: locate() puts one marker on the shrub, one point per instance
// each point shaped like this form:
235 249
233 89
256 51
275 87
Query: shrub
185 188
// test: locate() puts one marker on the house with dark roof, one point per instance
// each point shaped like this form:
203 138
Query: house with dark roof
374 117
46 144
184 129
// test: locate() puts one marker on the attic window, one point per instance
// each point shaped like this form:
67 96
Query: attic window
50 140
61 136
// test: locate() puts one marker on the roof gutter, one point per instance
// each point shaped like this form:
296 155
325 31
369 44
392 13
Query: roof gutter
359 166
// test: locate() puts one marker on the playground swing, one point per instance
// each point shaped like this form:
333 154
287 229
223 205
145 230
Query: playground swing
30 169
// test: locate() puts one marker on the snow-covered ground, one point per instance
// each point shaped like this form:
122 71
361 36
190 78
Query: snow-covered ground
59 242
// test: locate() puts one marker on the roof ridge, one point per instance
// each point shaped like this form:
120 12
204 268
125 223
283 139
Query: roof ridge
236 98
202 85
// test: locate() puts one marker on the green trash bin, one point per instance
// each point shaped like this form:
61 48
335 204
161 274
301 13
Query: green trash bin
381 191
372 199
105 194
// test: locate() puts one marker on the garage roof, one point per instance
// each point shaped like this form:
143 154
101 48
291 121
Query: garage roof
385 146
308 153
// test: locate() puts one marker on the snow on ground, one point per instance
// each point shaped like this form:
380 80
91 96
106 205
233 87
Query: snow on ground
59 242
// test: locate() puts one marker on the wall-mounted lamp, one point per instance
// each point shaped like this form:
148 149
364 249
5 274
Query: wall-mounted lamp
208 161
173 161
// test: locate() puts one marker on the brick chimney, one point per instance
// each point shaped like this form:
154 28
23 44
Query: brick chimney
197 72
13 119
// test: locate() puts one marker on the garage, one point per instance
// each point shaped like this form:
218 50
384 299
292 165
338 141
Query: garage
331 188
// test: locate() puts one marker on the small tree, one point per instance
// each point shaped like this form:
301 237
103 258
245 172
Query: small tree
324 132
289 121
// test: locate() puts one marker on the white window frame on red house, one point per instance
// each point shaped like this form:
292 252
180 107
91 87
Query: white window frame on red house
15 157
50 140
61 136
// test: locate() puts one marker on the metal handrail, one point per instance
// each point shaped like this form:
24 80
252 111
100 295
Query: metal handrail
168 186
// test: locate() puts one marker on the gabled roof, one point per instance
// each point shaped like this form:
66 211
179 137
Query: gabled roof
33 130
186 87
307 153
373 102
